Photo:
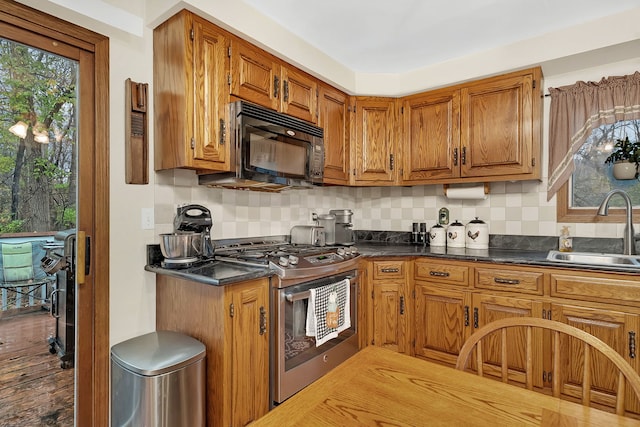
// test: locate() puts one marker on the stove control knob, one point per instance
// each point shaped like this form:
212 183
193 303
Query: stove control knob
293 260
283 261
341 251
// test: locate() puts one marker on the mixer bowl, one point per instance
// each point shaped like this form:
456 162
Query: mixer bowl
181 245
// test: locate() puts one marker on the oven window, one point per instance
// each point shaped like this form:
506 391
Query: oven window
274 154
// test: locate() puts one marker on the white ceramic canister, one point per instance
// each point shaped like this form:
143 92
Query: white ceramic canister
455 235
438 236
477 234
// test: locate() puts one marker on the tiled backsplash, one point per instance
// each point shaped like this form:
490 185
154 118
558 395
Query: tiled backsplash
512 208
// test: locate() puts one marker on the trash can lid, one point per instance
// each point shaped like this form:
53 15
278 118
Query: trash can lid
157 352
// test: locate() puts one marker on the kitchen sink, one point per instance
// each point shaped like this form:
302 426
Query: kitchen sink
594 258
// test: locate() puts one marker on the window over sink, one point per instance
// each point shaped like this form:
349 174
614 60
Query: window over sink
592 179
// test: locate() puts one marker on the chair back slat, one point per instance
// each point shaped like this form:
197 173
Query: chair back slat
590 344
504 356
586 374
529 361
555 379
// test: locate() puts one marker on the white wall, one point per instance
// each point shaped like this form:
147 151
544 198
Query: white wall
511 208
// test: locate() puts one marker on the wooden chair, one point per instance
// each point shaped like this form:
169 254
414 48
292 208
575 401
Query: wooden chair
626 373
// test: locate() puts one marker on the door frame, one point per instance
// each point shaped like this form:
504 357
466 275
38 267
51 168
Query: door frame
92 297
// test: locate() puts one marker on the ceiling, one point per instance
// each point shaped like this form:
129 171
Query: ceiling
398 36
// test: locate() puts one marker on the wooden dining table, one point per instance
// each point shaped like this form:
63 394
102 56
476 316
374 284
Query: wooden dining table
379 387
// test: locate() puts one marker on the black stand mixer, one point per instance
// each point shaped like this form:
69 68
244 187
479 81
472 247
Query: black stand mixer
191 240
196 218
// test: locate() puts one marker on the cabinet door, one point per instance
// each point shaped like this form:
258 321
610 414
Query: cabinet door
617 329
299 95
389 315
334 118
489 308
375 144
210 64
498 120
441 320
190 94
255 75
431 128
249 392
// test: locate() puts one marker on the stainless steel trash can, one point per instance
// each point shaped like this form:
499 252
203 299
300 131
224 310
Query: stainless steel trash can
158 380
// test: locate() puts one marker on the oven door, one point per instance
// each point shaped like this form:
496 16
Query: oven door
296 360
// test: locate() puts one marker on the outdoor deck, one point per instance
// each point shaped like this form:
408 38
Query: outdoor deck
34 390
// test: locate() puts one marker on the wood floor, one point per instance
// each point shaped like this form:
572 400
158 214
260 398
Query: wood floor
34 390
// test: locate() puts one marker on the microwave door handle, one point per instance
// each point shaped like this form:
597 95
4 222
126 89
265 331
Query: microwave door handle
297 297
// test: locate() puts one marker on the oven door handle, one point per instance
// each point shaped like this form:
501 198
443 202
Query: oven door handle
306 294
297 297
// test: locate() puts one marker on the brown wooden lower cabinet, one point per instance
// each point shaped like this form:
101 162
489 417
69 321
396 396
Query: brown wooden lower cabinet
227 319
614 328
449 305
388 310
441 322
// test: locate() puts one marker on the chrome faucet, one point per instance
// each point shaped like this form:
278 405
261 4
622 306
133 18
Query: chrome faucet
629 239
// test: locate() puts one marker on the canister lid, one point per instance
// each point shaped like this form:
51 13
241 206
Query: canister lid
157 352
437 226
456 224
476 221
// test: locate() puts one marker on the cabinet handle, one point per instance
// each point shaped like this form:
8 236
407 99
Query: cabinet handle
286 90
263 320
455 157
276 86
223 131
466 315
439 273
632 344
391 162
390 270
475 317
402 305
506 281
463 156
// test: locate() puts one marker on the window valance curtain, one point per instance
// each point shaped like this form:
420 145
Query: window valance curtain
578 109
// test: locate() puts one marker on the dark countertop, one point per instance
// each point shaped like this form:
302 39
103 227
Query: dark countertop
220 273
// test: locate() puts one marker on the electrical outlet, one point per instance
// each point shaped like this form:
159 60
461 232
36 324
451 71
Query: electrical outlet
147 219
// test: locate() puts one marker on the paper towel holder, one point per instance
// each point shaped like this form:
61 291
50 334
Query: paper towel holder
445 187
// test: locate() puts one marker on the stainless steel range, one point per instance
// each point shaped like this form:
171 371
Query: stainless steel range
300 356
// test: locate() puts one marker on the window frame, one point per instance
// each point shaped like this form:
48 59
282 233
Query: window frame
565 213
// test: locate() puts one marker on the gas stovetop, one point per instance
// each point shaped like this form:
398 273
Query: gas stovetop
287 260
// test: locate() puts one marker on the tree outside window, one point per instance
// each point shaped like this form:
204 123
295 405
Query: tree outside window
37 140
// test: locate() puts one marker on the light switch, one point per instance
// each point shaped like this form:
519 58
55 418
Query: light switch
147 219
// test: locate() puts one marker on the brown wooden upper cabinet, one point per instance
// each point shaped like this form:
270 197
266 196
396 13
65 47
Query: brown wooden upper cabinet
488 129
334 118
375 154
190 63
259 77
500 126
431 136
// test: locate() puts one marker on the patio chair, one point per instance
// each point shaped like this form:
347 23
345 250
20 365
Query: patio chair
20 265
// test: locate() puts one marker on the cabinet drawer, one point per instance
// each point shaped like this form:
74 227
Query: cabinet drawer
596 287
388 269
528 282
441 272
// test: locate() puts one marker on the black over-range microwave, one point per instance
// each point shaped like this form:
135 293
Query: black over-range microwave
271 151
